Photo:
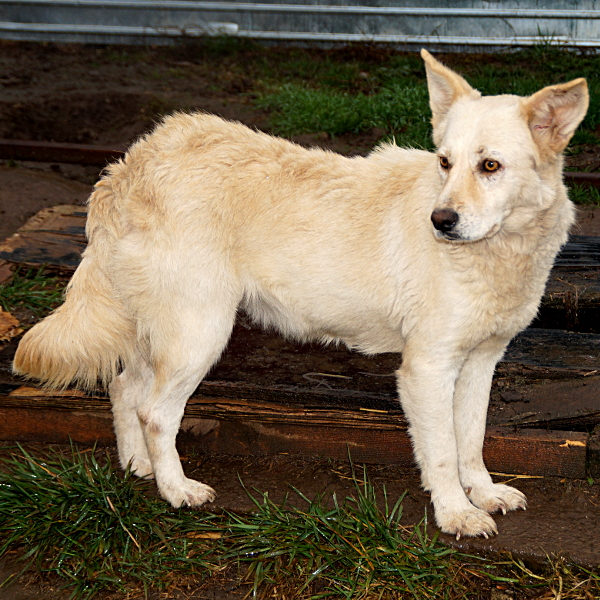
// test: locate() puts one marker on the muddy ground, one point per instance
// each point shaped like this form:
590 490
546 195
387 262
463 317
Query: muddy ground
94 95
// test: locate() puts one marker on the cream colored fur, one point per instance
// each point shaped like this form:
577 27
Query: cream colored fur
204 217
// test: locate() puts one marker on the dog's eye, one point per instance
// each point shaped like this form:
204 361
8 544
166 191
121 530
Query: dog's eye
491 165
444 162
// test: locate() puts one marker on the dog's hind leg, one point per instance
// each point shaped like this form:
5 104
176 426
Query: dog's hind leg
126 391
471 400
195 338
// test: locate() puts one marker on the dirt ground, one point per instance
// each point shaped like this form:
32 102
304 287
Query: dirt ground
89 95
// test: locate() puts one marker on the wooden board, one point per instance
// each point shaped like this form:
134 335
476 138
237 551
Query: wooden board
259 365
56 152
249 427
54 236
572 298
557 405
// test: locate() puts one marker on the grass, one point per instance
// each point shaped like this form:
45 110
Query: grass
76 517
584 195
338 92
400 111
353 549
31 290
339 98
73 515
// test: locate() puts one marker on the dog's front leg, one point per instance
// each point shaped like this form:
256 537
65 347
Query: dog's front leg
426 383
471 401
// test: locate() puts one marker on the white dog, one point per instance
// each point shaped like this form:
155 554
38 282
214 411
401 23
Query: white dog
441 256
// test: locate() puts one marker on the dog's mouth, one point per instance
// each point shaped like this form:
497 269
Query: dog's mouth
451 226
457 237
451 236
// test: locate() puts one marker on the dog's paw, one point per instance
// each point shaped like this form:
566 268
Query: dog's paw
189 493
471 522
141 467
497 498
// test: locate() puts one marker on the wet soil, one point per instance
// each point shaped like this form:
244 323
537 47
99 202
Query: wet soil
108 96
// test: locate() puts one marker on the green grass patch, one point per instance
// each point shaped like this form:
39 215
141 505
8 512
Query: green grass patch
73 515
312 92
584 195
78 518
353 549
32 290
349 97
401 111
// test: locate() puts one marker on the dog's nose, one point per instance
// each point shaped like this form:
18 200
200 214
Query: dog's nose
444 219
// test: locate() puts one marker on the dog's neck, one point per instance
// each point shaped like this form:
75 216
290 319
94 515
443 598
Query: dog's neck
529 243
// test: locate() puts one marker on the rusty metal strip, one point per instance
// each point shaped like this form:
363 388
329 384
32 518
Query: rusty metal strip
53 152
84 154
580 178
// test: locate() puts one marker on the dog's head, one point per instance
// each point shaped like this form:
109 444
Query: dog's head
495 151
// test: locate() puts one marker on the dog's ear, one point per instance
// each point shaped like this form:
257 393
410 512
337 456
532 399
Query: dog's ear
554 113
445 87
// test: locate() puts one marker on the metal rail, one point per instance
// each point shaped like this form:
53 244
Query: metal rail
193 30
424 11
134 21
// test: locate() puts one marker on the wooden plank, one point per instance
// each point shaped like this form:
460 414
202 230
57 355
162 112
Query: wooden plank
54 236
536 452
5 271
253 437
55 426
556 349
87 154
582 178
572 297
249 427
555 405
581 252
333 382
593 454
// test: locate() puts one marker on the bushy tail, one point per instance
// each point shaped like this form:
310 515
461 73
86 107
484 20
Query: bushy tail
90 337
85 340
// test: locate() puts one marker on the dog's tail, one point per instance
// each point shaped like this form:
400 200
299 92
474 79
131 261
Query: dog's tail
89 338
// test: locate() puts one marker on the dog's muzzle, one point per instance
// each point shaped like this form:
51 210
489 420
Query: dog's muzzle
445 220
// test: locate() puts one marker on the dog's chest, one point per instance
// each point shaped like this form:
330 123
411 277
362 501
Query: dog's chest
502 293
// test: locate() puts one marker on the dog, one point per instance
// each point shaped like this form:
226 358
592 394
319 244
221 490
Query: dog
441 256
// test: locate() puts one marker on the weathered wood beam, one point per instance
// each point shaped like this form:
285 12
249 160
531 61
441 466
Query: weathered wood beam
248 427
